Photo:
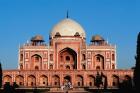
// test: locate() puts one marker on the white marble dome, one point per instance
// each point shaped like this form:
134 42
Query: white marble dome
68 27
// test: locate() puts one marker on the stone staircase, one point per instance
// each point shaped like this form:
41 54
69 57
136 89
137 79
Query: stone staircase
74 90
69 91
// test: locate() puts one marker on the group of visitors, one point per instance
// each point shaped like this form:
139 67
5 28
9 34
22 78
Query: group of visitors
66 85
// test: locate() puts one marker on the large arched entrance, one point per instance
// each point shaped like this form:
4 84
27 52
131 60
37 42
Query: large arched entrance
115 82
67 79
8 79
91 80
79 80
99 61
43 81
19 80
31 80
67 59
36 62
67 84
55 80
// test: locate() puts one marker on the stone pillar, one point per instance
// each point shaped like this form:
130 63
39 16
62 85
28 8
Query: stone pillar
109 79
37 79
85 79
61 79
49 79
13 77
25 80
73 80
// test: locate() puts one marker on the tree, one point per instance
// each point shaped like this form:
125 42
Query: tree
98 80
0 75
137 66
126 86
8 88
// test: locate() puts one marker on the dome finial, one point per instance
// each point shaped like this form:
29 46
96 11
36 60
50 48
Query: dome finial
67 14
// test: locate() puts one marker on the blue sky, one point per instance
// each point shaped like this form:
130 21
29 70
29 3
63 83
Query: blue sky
115 20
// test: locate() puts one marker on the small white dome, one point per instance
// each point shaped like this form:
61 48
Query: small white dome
68 27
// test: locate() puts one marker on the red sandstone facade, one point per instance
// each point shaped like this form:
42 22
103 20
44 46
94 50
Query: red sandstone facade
66 57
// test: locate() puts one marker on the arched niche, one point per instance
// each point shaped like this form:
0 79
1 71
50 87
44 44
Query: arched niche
68 56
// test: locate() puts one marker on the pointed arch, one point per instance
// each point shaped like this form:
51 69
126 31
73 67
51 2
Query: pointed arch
115 82
8 79
19 80
37 58
43 80
68 56
79 79
67 79
91 80
36 62
99 61
31 80
55 80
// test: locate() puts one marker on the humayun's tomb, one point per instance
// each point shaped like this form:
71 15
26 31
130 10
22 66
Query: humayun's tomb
67 58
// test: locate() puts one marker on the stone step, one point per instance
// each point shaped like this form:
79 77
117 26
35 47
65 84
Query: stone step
78 92
67 91
73 90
